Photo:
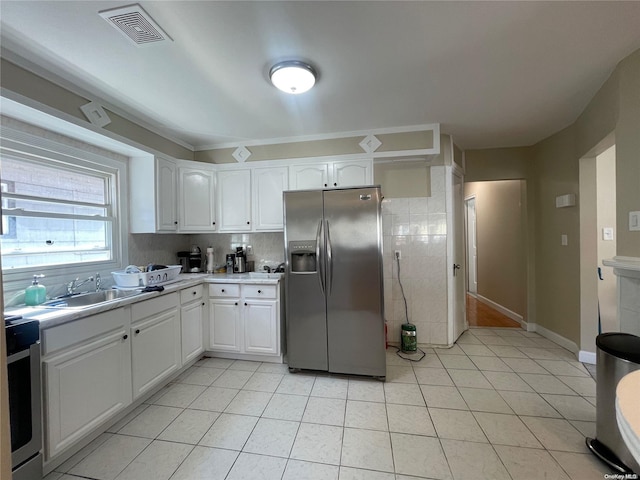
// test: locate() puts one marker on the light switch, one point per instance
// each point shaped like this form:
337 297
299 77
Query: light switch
634 221
607 233
564 240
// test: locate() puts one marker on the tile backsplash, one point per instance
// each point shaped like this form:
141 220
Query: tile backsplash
268 248
418 228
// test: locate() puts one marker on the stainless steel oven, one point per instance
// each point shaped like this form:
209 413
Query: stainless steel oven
23 365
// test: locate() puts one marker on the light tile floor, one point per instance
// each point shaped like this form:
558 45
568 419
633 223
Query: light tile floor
502 404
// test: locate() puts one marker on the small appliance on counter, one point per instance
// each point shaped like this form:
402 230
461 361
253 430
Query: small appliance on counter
240 265
191 261
195 259
231 260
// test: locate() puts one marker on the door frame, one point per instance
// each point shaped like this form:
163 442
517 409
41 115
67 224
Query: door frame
468 239
453 328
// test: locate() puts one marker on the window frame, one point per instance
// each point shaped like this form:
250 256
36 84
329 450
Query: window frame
18 144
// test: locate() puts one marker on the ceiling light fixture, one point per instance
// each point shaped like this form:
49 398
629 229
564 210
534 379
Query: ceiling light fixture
293 76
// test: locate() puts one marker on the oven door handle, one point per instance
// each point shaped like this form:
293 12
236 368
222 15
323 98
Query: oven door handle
18 356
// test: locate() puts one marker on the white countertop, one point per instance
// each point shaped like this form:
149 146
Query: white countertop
50 317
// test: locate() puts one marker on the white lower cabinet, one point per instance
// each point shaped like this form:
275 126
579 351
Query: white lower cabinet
224 327
87 382
155 342
192 308
248 322
260 327
97 366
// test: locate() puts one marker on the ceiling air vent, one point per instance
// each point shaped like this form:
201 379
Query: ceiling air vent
135 24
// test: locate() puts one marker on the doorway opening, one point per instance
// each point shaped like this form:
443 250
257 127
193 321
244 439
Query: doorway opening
598 232
496 251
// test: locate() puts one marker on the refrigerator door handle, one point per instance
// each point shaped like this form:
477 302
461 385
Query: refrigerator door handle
329 261
318 258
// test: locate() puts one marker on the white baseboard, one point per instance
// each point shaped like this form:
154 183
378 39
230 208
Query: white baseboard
559 339
503 310
587 357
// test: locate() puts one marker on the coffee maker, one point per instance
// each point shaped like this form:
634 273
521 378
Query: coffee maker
191 261
240 264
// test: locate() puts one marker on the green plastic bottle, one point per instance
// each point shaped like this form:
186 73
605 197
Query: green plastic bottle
35 294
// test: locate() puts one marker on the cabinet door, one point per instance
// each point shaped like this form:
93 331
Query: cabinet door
260 327
224 325
191 322
234 200
352 174
309 177
84 387
155 350
196 200
166 197
268 185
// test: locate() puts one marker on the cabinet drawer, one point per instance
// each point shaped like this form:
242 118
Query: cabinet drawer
72 333
224 290
153 306
260 291
189 294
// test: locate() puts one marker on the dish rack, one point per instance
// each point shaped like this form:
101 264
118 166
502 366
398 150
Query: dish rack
143 279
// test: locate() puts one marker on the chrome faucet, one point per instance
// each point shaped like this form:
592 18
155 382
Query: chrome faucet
73 284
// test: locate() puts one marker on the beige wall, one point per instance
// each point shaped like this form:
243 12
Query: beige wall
501 242
615 108
27 84
497 164
551 168
628 154
315 148
402 179
391 142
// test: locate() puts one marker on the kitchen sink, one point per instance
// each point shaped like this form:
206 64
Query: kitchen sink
265 275
84 300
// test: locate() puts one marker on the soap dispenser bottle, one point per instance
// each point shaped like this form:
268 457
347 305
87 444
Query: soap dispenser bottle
35 294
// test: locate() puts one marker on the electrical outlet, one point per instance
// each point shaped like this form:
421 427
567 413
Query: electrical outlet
249 250
398 254
564 240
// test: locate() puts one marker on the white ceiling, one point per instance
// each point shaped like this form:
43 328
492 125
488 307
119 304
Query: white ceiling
494 74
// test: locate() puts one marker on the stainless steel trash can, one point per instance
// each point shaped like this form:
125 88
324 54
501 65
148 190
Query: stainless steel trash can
617 354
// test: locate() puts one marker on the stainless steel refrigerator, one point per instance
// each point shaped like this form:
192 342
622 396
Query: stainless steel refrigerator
333 281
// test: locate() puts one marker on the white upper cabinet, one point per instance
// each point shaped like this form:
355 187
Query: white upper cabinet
196 199
352 174
268 185
331 175
152 195
234 200
310 176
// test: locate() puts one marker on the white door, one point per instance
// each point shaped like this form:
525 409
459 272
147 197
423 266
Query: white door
234 200
85 387
352 174
268 185
196 200
260 327
155 350
472 246
224 325
191 323
458 266
166 198
309 177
